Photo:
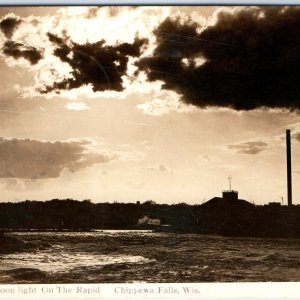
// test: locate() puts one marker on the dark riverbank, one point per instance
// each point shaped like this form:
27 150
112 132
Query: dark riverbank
217 216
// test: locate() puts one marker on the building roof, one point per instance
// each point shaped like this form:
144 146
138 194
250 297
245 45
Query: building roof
219 201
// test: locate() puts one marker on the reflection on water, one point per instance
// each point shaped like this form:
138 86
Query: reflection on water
144 256
60 261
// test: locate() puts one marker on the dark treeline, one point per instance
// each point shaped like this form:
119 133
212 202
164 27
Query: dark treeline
233 218
82 215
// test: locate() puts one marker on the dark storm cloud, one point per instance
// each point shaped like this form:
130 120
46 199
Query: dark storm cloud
9 25
18 50
32 159
254 147
97 64
252 59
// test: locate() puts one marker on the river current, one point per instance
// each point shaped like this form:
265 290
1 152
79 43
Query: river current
143 256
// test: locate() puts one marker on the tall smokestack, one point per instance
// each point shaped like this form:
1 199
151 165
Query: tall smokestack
289 166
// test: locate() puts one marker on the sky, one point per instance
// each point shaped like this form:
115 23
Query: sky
148 103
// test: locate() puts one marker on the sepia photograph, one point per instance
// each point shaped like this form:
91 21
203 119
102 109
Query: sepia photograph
149 144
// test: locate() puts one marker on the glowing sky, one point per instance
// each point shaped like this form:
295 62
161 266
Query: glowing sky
136 103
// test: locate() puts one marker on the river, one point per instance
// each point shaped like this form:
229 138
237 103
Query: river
111 256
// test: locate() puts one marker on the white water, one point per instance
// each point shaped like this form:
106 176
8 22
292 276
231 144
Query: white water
131 256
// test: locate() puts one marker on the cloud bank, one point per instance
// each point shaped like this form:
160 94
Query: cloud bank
97 64
241 58
253 147
33 159
248 58
8 25
19 50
